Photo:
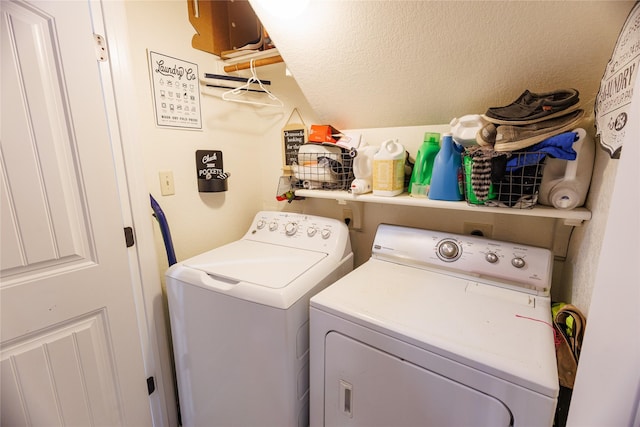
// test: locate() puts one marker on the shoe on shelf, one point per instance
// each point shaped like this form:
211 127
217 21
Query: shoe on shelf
514 138
535 107
486 136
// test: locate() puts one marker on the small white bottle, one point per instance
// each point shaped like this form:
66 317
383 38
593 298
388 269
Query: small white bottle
363 170
388 169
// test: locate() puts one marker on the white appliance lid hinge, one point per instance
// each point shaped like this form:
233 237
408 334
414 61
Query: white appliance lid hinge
102 53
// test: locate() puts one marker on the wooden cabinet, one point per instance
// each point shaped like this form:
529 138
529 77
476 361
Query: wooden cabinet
223 25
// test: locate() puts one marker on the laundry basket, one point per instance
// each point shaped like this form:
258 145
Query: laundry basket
503 179
323 167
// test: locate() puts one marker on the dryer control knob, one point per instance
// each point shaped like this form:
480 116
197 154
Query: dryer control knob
448 250
491 257
518 262
311 231
326 233
291 228
273 226
261 223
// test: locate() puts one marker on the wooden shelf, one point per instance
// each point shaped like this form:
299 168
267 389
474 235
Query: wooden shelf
572 217
261 58
261 54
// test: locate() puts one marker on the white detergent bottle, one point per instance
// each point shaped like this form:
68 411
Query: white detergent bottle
388 169
363 169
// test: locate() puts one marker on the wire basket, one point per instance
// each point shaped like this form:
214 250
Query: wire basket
503 179
323 171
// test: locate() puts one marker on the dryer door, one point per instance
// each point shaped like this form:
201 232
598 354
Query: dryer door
368 387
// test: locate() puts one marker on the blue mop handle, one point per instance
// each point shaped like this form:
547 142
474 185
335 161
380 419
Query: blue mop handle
164 228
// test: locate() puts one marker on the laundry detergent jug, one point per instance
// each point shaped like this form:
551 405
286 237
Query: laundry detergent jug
565 183
363 170
421 175
388 169
465 129
446 178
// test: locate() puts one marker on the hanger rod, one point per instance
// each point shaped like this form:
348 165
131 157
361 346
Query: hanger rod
229 87
256 63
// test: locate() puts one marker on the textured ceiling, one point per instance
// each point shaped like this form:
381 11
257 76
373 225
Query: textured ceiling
364 64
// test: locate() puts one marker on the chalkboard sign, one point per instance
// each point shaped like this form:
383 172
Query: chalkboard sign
292 140
210 173
293 136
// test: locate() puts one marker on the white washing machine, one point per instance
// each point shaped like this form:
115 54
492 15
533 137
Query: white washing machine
240 320
436 329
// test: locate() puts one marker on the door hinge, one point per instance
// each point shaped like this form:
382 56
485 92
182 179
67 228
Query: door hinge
151 385
128 236
102 54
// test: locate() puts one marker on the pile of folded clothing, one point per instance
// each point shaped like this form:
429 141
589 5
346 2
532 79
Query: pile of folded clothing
515 140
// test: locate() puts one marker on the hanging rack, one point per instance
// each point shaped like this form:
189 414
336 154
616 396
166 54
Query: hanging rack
231 87
232 78
235 95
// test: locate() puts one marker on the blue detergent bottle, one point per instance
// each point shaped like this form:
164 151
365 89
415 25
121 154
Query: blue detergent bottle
422 169
447 171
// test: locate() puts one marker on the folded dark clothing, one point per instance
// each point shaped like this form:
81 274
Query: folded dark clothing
498 168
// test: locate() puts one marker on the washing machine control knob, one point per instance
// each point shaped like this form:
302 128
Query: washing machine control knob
273 226
291 228
261 223
311 231
518 262
448 250
326 233
491 257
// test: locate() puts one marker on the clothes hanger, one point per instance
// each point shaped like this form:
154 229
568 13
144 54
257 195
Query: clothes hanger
235 95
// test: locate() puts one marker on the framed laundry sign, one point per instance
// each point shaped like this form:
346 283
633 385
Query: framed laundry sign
294 134
176 92
616 87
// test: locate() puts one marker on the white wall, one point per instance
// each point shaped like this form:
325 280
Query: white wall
366 64
607 388
248 136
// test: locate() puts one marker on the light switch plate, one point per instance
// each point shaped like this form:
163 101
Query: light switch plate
166 183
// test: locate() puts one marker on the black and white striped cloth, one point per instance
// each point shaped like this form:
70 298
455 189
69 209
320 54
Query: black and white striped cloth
481 168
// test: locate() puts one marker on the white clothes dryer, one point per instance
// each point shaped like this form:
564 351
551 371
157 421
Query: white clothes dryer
436 329
240 320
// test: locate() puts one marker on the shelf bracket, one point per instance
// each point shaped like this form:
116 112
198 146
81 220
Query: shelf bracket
561 238
573 222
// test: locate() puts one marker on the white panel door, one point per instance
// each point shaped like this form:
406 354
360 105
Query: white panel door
70 351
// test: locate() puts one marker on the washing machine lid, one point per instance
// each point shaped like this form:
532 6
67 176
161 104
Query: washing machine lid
257 263
499 331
